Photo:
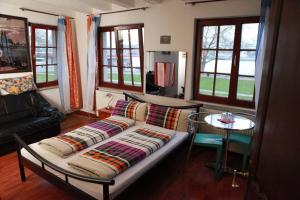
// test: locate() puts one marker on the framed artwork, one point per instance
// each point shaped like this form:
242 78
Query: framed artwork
14 44
165 39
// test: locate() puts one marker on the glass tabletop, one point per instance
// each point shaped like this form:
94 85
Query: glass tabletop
240 123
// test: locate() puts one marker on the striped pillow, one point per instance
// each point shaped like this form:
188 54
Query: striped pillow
126 108
162 116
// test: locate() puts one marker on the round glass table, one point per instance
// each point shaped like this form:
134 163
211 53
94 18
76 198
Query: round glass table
239 124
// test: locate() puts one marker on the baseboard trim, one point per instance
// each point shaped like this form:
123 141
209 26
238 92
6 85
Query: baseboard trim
87 114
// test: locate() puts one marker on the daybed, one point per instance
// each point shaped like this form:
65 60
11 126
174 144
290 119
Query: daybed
58 171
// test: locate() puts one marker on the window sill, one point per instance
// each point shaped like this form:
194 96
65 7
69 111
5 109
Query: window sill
118 91
209 105
216 106
47 88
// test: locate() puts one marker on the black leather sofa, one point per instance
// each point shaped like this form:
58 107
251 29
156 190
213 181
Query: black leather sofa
30 116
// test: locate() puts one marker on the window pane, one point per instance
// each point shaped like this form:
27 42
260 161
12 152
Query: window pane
222 85
115 77
245 88
224 62
113 40
52 73
114 57
247 63
106 57
122 53
51 55
208 61
106 40
206 84
40 74
209 38
226 37
123 39
126 58
127 76
51 38
135 58
137 77
249 36
40 56
40 37
134 38
106 74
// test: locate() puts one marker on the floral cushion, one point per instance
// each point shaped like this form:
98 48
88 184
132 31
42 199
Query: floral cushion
16 85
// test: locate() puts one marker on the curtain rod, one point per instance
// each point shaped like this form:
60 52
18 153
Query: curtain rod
120 11
37 11
198 2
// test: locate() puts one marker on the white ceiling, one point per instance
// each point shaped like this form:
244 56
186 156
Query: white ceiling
85 6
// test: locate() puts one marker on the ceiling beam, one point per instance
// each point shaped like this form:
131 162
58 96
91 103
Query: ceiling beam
70 5
85 6
122 3
99 4
41 6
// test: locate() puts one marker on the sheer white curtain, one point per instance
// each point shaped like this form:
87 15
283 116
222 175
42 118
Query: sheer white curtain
93 24
62 65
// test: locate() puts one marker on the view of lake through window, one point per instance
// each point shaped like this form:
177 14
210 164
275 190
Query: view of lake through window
227 60
43 47
121 56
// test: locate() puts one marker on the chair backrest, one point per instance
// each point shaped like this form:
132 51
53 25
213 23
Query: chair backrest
248 116
196 120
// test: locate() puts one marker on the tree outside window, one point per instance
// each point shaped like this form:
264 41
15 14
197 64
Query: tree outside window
121 57
225 60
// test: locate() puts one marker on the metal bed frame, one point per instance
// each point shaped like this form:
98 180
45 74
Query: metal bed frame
64 183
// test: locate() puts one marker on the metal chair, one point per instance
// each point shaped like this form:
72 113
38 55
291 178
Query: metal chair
210 140
244 138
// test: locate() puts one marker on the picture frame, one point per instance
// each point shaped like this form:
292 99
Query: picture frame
14 44
165 39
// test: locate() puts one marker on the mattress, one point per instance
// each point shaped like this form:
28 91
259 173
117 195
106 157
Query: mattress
123 180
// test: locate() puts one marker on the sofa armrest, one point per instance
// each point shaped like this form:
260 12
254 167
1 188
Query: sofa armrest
43 108
49 111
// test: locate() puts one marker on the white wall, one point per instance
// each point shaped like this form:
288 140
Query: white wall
174 18
52 95
81 32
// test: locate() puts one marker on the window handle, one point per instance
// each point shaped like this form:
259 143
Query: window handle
234 60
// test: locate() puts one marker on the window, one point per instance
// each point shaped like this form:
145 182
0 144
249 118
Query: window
43 47
225 61
121 57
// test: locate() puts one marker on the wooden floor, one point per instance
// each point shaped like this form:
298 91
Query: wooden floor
172 179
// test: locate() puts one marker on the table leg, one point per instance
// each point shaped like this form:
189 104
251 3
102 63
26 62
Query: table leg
225 166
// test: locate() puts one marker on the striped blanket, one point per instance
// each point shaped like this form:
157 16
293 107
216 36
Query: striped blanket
85 136
115 156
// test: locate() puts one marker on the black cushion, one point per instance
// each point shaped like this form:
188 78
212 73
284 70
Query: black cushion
17 103
13 117
25 127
